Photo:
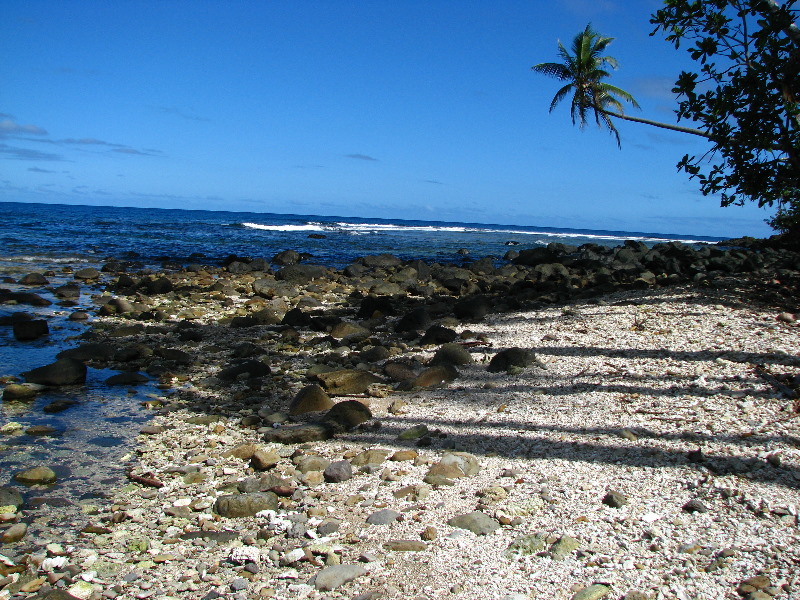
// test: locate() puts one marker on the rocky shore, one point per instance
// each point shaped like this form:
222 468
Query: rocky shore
567 423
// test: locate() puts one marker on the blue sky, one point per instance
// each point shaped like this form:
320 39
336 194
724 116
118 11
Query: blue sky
373 108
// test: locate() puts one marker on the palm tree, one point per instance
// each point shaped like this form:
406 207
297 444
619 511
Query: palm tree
584 70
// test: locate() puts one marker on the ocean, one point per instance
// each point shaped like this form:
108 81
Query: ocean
34 233
88 442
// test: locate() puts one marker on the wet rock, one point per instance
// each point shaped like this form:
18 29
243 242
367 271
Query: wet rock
347 381
14 533
69 291
25 331
87 273
477 522
10 497
336 576
65 371
285 258
21 391
36 476
90 351
33 279
127 378
511 357
311 398
245 505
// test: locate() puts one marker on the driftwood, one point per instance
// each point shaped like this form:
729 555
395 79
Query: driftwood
148 479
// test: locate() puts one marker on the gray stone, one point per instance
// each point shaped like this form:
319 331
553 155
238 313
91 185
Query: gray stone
593 592
311 462
477 522
383 517
245 505
405 546
333 577
10 497
563 547
338 471
466 462
313 432
412 433
373 456
526 545
348 381
615 499
312 398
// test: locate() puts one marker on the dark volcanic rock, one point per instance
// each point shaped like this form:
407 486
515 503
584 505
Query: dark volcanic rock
286 258
511 357
65 371
33 279
90 351
436 375
473 308
301 274
347 381
30 330
415 320
348 414
436 334
311 398
254 368
452 354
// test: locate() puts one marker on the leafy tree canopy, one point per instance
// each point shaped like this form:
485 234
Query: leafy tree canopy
744 96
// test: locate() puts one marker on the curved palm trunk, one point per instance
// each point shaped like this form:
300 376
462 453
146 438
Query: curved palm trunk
658 124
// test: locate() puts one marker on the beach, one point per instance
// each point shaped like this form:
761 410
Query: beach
572 423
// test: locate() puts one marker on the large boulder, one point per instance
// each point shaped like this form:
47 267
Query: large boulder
65 371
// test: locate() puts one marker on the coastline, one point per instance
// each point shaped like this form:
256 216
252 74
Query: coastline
635 370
